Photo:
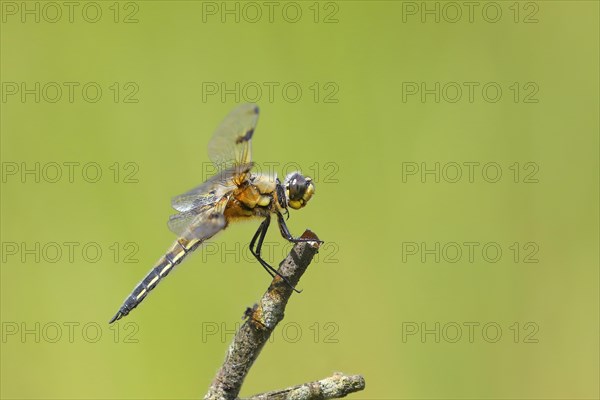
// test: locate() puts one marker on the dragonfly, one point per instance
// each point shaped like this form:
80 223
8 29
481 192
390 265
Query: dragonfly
234 193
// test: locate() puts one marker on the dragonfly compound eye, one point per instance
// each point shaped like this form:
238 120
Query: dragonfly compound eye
299 190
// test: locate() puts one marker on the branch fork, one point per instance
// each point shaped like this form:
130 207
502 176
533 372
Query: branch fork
260 322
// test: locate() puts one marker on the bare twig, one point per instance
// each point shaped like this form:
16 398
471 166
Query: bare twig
262 320
334 387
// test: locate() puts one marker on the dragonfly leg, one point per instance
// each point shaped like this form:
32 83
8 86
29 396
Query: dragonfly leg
285 232
260 235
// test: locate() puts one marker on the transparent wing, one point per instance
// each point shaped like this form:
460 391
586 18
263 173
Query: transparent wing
231 142
178 223
212 190
200 223
230 150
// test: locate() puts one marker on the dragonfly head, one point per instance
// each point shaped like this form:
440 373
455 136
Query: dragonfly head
298 189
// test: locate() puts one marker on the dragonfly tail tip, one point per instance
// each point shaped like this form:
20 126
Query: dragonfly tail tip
117 316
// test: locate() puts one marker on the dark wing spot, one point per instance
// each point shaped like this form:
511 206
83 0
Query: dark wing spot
256 110
245 137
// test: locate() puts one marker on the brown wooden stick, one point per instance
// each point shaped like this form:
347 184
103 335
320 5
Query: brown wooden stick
334 387
262 319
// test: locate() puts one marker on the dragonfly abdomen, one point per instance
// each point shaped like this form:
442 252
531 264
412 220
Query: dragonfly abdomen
162 268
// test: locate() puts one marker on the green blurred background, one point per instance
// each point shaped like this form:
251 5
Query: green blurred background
376 302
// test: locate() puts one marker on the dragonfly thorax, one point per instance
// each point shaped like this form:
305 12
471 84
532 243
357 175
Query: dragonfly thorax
264 183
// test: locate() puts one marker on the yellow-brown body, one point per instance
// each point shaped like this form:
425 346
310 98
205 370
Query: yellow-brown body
255 197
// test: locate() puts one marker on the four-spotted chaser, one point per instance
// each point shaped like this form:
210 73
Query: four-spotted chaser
232 194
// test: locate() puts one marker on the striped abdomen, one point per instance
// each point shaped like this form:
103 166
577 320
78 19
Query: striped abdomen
173 256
